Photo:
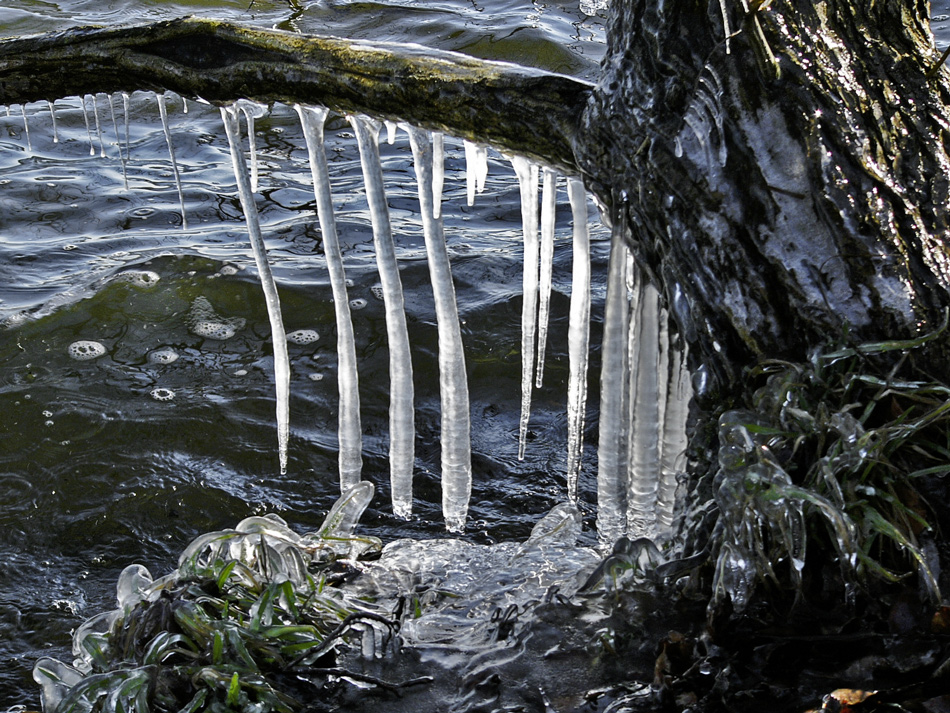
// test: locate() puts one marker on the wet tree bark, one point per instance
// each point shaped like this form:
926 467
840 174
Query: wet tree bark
781 168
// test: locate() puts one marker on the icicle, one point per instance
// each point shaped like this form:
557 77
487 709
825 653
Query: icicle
171 154
438 172
26 128
469 171
611 465
350 433
118 142
252 110
95 114
184 105
673 461
278 337
390 132
401 417
527 173
481 167
453 382
578 335
52 113
128 143
548 195
85 116
648 374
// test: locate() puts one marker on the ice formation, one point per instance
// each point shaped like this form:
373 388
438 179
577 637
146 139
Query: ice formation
350 434
548 197
453 380
401 416
163 111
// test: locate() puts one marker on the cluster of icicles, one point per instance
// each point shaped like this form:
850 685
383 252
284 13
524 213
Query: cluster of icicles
645 387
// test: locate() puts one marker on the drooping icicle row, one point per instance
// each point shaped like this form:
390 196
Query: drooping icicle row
401 416
438 172
350 433
453 382
548 197
611 454
578 335
278 336
527 174
163 111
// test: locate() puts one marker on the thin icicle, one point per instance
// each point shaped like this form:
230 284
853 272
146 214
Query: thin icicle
481 167
26 128
648 374
128 143
52 113
252 111
611 460
350 433
438 172
279 338
95 114
673 462
527 173
184 105
401 416
118 142
548 195
390 132
578 335
85 116
171 154
469 171
453 382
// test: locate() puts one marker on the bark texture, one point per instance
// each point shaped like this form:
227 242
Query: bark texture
783 170
518 109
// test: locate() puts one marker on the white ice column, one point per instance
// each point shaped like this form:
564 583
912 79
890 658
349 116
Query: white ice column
673 460
548 196
527 173
611 454
278 337
401 416
578 334
350 433
648 374
171 154
438 172
453 382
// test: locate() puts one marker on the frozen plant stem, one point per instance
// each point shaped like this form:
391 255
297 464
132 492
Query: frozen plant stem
278 337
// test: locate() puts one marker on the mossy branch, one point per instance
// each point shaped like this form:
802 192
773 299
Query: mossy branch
522 110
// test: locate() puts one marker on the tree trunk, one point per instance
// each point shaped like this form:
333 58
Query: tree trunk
783 171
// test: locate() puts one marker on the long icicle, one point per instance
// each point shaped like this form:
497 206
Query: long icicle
673 461
26 128
453 382
171 154
548 197
232 127
85 116
611 460
438 172
647 366
527 173
578 335
52 114
118 142
401 416
95 114
252 111
350 433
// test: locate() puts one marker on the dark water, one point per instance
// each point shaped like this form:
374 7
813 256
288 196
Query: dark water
95 472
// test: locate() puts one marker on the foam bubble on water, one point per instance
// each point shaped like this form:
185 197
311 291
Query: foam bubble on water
162 394
228 270
241 372
358 303
163 355
205 322
138 278
85 349
377 291
316 377
303 336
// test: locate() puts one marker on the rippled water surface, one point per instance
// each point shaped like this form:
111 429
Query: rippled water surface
127 456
